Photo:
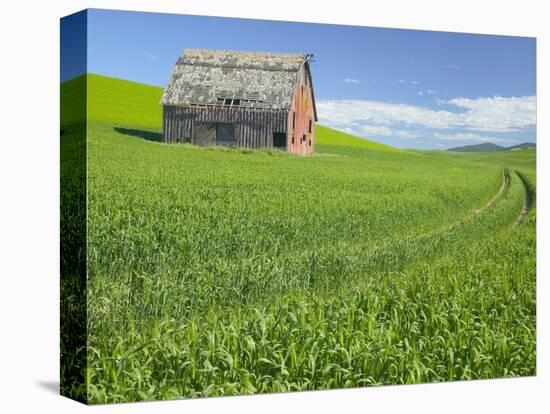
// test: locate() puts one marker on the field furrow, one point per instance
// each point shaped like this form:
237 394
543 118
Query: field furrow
529 197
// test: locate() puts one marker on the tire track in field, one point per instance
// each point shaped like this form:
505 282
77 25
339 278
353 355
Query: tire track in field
394 255
501 191
503 187
528 198
439 232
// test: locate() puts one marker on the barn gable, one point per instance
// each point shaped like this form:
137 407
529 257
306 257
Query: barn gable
257 80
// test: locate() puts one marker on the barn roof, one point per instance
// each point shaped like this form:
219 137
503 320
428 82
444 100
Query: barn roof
262 80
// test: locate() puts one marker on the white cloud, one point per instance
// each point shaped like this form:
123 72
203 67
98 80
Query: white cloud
152 57
413 82
453 66
482 114
404 134
352 80
373 131
429 92
505 114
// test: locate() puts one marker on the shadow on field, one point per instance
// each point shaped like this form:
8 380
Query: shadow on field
140 133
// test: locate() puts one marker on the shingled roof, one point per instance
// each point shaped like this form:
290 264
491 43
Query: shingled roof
262 80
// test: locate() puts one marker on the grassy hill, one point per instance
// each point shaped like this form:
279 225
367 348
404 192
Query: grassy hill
217 271
485 147
523 146
73 101
130 103
123 101
490 147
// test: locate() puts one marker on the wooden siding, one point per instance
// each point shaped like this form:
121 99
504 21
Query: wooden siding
253 128
302 115
204 133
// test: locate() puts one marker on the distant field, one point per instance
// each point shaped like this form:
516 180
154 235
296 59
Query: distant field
225 271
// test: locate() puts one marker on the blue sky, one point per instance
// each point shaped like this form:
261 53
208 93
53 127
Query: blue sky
409 89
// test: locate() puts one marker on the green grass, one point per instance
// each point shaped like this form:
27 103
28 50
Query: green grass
122 101
226 271
327 136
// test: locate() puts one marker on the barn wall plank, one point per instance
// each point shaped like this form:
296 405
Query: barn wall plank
253 128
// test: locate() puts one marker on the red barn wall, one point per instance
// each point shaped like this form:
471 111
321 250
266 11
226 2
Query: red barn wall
301 117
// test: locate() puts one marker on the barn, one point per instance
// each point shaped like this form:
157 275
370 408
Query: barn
238 98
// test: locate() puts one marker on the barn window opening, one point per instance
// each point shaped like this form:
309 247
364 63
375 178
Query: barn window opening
225 135
304 138
229 101
279 140
239 102
310 126
293 119
310 142
293 138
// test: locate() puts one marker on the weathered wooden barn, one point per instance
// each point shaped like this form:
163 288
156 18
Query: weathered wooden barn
245 99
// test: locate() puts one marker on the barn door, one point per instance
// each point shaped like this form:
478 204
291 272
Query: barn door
204 133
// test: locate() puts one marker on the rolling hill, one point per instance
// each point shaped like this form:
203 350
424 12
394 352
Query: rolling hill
523 146
485 147
132 103
490 147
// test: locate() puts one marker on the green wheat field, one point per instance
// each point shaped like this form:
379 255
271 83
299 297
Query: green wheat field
215 271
